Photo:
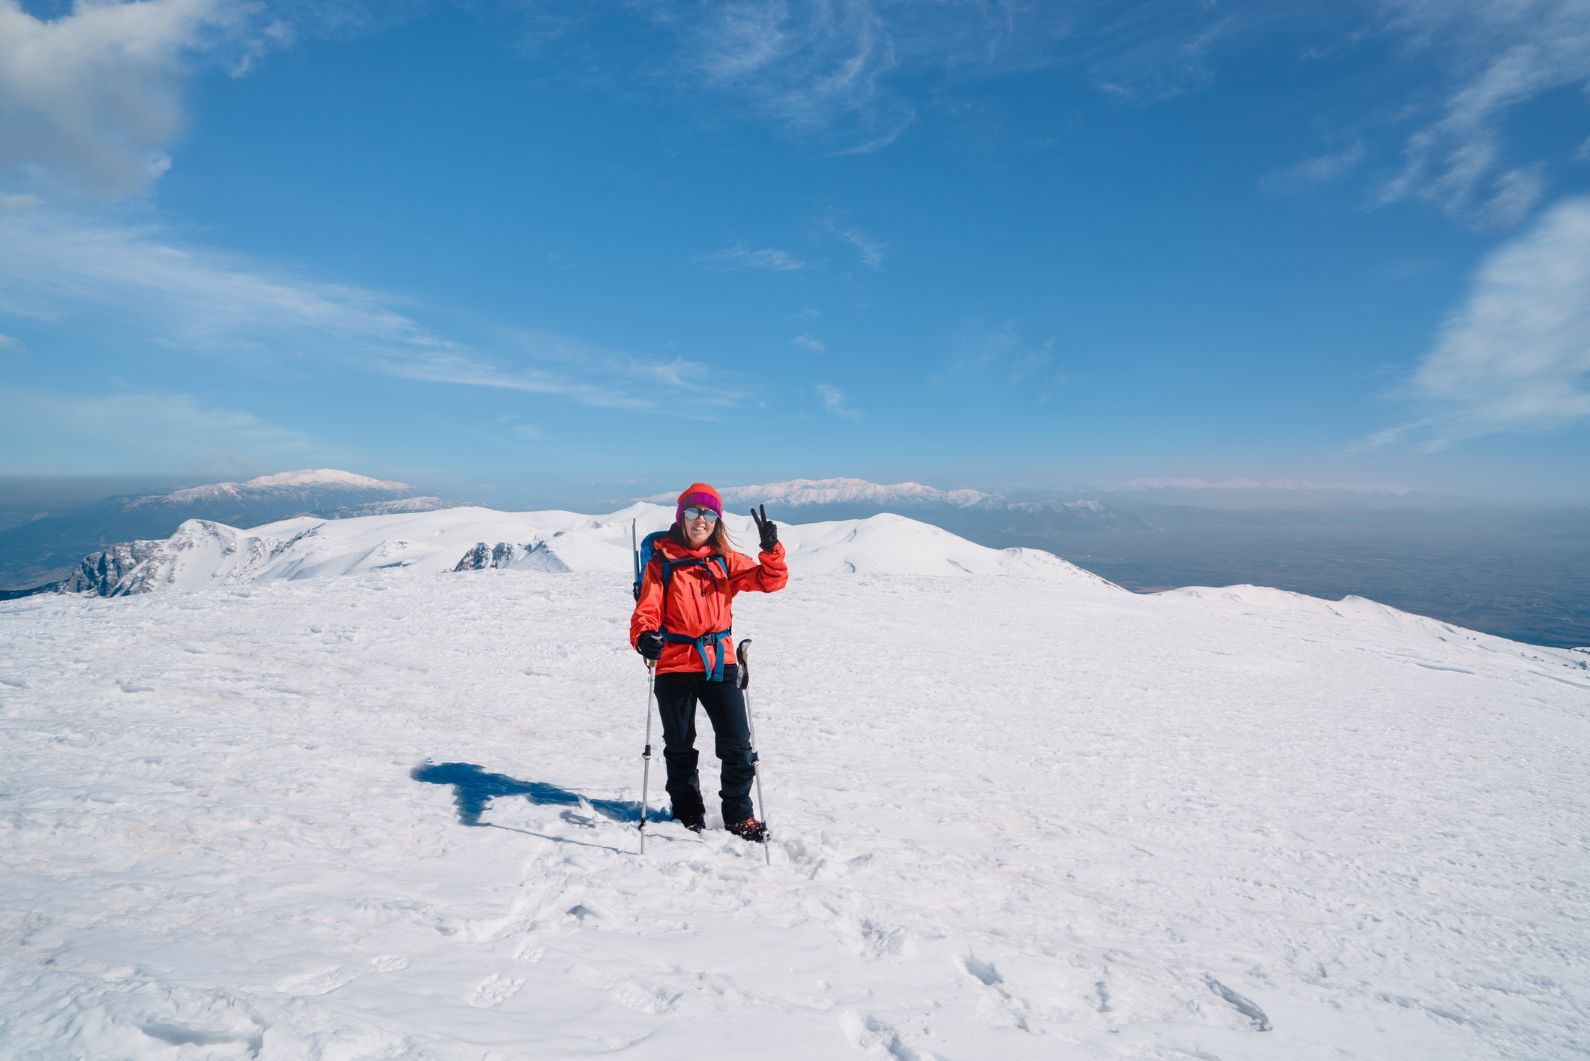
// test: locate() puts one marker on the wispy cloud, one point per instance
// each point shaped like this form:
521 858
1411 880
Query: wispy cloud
9 342
815 70
836 402
1311 173
203 301
738 257
806 342
1006 352
1498 57
1516 356
869 249
136 431
1154 51
527 432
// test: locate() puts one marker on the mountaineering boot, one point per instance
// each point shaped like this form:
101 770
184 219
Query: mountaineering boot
694 824
750 829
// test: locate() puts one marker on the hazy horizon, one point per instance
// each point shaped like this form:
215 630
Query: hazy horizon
1521 571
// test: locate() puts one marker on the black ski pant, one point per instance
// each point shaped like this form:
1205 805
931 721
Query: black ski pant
677 695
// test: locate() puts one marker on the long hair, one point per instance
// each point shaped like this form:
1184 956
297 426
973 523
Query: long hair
719 539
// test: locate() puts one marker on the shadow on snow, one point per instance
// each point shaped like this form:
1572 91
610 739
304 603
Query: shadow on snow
473 789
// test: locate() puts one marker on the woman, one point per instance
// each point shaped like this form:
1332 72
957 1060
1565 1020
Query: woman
682 624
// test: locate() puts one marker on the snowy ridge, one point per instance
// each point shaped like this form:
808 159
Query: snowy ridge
325 477
203 552
282 483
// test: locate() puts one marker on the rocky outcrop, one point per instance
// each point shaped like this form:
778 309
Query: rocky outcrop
100 573
480 557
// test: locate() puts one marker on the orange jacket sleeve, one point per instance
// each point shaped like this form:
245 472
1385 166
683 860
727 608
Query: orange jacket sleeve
648 609
766 574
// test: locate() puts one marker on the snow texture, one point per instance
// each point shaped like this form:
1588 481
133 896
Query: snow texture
1016 815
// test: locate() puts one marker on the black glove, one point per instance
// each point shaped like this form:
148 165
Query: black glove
766 528
650 644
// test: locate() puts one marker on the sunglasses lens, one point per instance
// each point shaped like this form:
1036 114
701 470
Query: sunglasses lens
701 513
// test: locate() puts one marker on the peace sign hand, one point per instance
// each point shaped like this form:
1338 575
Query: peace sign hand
766 528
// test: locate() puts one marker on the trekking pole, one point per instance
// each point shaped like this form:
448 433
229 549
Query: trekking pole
645 775
756 760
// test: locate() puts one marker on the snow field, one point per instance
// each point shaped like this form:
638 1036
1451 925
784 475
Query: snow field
1014 817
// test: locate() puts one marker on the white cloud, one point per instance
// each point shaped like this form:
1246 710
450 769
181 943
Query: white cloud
204 301
737 257
9 342
869 249
134 432
816 346
90 101
1313 172
1516 356
836 402
1499 57
813 69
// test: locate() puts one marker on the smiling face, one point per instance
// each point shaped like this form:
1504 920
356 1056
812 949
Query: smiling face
697 531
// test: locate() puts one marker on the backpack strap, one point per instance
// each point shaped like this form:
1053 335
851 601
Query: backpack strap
643 559
712 664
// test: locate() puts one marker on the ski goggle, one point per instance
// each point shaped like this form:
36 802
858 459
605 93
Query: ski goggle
697 512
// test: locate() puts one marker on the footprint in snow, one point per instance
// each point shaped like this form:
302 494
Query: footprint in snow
998 1007
877 1038
494 991
981 970
321 981
645 998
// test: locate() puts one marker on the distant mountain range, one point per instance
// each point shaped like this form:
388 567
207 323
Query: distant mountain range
54 547
982 517
205 553
1516 571
1520 571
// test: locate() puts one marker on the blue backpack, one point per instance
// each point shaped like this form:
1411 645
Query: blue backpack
648 552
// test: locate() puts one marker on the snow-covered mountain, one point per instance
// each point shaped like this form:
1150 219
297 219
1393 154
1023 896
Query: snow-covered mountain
204 553
991 519
392 814
47 549
798 493
312 486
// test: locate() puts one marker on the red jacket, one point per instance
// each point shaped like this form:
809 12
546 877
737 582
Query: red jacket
698 598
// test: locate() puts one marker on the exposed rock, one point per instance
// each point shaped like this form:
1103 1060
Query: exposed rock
100 573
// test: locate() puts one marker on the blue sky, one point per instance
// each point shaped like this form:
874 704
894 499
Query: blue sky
534 253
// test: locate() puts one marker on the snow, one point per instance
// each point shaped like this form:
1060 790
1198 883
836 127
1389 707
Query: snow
391 814
327 477
203 552
311 478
